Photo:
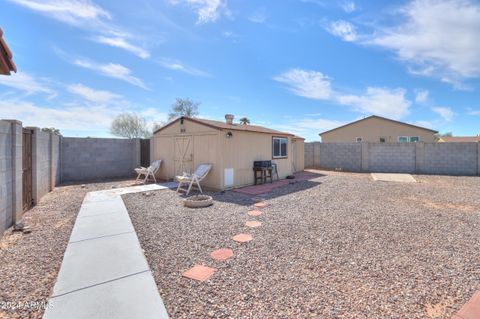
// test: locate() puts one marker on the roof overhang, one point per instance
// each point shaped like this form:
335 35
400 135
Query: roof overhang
6 58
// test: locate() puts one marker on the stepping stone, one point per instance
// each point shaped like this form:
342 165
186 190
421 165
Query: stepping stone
199 272
222 254
253 223
470 310
242 238
260 205
254 213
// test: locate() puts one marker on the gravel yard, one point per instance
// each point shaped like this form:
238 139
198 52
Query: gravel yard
337 246
29 263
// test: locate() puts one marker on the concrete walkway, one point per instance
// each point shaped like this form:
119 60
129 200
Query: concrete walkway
104 273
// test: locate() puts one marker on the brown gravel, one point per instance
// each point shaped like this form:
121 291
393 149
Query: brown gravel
338 246
29 263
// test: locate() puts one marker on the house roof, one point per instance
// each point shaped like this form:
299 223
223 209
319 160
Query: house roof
378 117
460 139
219 125
6 58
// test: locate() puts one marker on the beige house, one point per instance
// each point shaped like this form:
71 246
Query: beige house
378 130
232 148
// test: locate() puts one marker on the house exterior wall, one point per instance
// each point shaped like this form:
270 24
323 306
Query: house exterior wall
211 145
372 129
419 158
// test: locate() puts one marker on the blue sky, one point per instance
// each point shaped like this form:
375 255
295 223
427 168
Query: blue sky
302 66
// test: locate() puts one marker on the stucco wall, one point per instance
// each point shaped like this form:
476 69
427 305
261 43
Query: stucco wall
421 158
84 159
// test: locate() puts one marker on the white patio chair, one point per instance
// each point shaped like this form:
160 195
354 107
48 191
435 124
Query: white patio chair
148 171
200 173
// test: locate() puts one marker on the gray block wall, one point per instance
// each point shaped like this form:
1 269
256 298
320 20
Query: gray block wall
391 157
85 159
420 158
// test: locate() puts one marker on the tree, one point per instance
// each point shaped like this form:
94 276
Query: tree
51 130
244 121
439 135
130 125
183 107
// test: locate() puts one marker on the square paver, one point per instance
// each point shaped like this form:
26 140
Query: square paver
126 298
242 238
199 272
471 310
387 177
95 226
96 261
254 213
222 254
253 223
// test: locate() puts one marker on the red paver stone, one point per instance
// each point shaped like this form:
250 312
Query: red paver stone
470 310
199 272
255 213
242 238
260 205
222 254
253 223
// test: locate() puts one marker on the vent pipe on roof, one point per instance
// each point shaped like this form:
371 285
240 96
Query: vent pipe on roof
229 118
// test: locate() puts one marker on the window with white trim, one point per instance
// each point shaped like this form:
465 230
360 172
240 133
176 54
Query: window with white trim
279 147
359 139
414 139
403 139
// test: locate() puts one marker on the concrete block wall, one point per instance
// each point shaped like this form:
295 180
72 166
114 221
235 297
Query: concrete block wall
85 159
10 173
391 157
420 158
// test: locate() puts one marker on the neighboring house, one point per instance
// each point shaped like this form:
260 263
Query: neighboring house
6 58
185 143
379 130
459 139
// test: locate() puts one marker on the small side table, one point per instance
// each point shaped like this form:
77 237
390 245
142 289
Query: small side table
265 173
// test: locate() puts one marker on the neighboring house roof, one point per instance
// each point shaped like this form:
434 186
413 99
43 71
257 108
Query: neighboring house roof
379 117
460 139
224 126
6 58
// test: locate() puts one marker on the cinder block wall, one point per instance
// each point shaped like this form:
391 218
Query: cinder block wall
84 159
420 158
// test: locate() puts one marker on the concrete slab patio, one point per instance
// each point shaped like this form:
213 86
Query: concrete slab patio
104 273
389 177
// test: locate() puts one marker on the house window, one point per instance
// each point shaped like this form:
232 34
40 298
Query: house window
359 139
403 139
280 147
414 139
382 139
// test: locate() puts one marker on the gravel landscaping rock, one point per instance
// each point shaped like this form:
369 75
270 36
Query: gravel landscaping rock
338 246
29 262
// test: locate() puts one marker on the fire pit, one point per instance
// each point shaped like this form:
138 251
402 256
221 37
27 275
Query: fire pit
198 201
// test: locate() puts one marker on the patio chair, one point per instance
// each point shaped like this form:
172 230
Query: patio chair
200 173
148 171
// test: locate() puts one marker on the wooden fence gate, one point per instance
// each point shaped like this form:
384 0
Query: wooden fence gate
27 190
145 152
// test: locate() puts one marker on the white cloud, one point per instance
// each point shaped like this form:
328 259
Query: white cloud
309 84
376 100
473 112
445 112
379 101
207 10
308 127
112 70
87 15
27 83
436 38
348 6
259 16
176 65
92 95
421 96
342 29
74 12
123 43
